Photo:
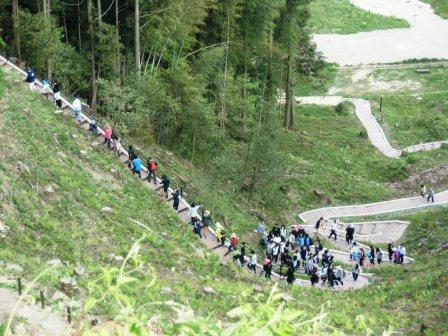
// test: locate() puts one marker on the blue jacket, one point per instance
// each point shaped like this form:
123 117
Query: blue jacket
137 164
30 77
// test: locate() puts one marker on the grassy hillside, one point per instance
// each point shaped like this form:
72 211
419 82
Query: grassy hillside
439 6
68 223
415 107
341 17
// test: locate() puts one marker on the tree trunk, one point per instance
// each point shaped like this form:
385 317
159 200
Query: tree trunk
138 65
223 116
100 13
79 28
46 10
15 20
65 24
289 99
92 57
117 27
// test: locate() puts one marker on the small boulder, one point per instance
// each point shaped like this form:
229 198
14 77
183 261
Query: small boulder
118 258
48 189
80 271
55 262
59 296
107 209
258 289
208 290
95 144
83 152
199 253
286 297
68 283
320 194
167 290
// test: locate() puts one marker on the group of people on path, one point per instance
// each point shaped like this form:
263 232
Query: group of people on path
291 250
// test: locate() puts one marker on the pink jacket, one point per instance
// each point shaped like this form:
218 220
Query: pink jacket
108 133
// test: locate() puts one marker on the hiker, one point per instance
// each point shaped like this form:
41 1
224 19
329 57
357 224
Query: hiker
108 136
206 222
131 155
355 272
176 199
402 251
234 241
350 231
220 235
354 251
93 128
57 94
339 275
242 254
275 252
137 166
314 278
290 278
261 228
330 276
118 148
390 251
30 79
267 268
45 88
422 190
371 255
193 213
319 223
166 184
379 255
252 264
362 256
333 230
77 108
197 228
283 232
430 195
152 167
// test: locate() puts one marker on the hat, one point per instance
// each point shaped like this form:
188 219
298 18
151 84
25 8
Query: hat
218 225
266 261
206 213
232 235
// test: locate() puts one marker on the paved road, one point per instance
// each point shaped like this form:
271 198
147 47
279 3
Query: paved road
426 38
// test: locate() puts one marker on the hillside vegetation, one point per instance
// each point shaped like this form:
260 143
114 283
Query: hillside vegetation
68 224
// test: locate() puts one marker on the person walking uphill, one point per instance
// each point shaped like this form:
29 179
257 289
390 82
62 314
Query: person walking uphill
430 195
333 230
77 108
176 199
30 79
166 184
234 241
57 94
108 136
252 265
137 167
152 167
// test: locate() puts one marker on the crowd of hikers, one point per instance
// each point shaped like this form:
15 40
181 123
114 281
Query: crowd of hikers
291 249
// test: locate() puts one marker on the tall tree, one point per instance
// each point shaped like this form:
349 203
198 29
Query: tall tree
15 20
138 64
93 86
292 23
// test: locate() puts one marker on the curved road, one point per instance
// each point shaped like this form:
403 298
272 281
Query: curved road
426 38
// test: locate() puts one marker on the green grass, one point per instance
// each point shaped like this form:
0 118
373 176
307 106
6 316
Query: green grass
415 106
440 7
341 17
325 152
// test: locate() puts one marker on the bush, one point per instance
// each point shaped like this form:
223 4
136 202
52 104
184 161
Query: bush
363 134
342 109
